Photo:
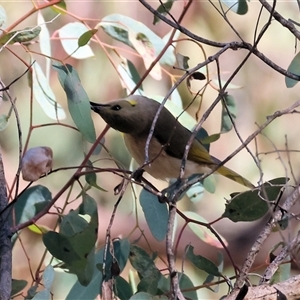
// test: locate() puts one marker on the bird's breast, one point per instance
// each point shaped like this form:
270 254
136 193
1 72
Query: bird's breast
161 165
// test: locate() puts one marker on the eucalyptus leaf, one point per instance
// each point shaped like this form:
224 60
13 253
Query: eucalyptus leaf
78 100
294 68
156 214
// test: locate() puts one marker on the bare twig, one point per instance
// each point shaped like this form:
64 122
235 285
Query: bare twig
289 202
291 248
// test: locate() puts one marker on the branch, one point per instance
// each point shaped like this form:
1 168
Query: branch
5 242
290 201
289 288
232 45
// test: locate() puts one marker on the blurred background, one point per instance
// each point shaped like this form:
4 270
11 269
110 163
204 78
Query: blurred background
261 92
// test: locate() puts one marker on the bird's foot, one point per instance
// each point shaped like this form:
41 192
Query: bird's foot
172 192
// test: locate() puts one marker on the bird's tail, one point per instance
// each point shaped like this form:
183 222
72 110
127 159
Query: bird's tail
234 176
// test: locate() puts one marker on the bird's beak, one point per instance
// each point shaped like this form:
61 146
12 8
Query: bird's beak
97 106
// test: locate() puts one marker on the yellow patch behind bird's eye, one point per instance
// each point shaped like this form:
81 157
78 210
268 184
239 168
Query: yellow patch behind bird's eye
132 102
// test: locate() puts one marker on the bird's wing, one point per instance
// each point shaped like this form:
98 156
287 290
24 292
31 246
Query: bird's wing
176 142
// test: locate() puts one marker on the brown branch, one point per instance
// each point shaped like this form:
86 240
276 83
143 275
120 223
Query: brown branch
290 249
289 288
289 202
232 45
5 242
175 290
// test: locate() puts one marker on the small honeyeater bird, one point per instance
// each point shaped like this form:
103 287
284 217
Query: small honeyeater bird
134 116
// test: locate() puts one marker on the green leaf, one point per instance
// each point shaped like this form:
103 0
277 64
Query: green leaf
156 214
78 256
31 202
146 268
251 205
20 36
17 286
90 291
185 283
129 76
163 9
78 101
122 289
85 37
201 262
238 6
226 124
294 68
119 26
91 178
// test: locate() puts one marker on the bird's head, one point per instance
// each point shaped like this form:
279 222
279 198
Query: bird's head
131 115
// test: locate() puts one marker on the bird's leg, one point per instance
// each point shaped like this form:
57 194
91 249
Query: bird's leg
170 193
137 175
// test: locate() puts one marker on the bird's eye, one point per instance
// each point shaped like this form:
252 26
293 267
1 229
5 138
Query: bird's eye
116 107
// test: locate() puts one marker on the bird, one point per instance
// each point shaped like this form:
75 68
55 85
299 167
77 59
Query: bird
134 115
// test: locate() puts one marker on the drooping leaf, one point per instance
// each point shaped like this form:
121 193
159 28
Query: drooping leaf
240 7
252 205
78 101
201 262
294 68
156 214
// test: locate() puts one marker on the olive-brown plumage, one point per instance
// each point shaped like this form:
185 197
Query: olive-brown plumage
134 116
